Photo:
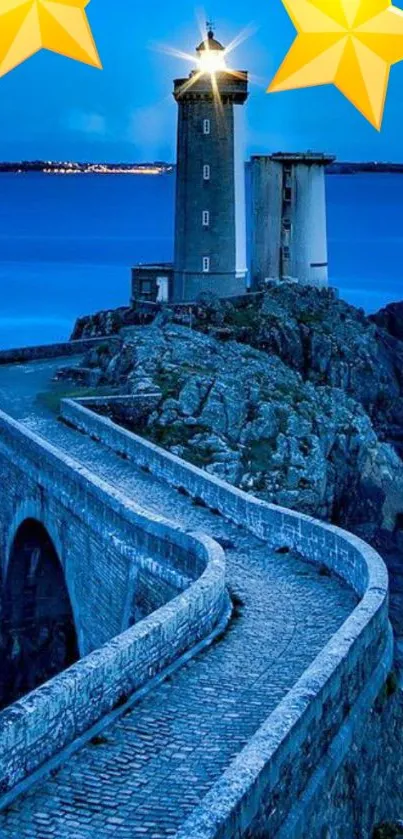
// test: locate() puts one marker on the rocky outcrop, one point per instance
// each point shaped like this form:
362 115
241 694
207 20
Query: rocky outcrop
328 342
298 439
107 323
390 319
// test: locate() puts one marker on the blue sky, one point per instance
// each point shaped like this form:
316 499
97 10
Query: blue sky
51 107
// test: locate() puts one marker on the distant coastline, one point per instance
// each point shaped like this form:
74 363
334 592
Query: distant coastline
68 167
55 167
370 166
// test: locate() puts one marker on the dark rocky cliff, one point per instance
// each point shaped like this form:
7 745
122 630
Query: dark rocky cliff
293 394
390 319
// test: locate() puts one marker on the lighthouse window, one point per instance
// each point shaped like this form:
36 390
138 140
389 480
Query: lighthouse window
206 218
286 252
206 172
287 224
206 126
206 264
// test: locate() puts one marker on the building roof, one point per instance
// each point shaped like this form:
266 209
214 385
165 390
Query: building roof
210 43
303 157
153 266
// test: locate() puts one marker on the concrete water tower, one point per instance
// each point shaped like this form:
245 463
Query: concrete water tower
210 240
289 236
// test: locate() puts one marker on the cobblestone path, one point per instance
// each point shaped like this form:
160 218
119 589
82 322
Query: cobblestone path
150 768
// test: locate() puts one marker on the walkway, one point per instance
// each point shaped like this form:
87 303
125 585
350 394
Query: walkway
149 769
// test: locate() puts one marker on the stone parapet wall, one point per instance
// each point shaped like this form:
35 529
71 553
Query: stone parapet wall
267 781
21 355
279 784
41 724
354 784
125 409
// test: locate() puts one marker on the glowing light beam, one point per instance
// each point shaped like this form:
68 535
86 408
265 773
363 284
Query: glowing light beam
209 61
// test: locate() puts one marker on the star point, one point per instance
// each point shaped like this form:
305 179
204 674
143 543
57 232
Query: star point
61 26
348 43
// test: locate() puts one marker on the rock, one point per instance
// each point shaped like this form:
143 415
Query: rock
109 322
121 365
388 830
304 408
390 319
167 417
143 386
267 424
329 343
83 376
178 450
193 394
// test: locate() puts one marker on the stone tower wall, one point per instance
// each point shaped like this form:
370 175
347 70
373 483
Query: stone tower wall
267 185
308 248
289 236
217 195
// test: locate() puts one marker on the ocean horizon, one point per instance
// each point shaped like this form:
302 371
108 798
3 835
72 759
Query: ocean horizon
67 244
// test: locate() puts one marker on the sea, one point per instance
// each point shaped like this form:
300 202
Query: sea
67 244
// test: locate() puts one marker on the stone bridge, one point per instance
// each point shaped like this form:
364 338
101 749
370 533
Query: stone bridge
78 560
228 661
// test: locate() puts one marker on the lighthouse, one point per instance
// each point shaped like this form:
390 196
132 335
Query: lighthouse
288 201
210 239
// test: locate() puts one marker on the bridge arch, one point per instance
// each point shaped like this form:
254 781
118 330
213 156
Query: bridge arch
36 508
38 637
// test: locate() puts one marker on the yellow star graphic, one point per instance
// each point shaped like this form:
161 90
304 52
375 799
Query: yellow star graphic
350 43
26 26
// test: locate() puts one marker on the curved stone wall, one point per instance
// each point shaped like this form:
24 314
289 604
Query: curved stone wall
44 722
94 520
308 735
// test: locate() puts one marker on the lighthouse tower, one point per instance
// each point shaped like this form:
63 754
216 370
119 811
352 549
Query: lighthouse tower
210 241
